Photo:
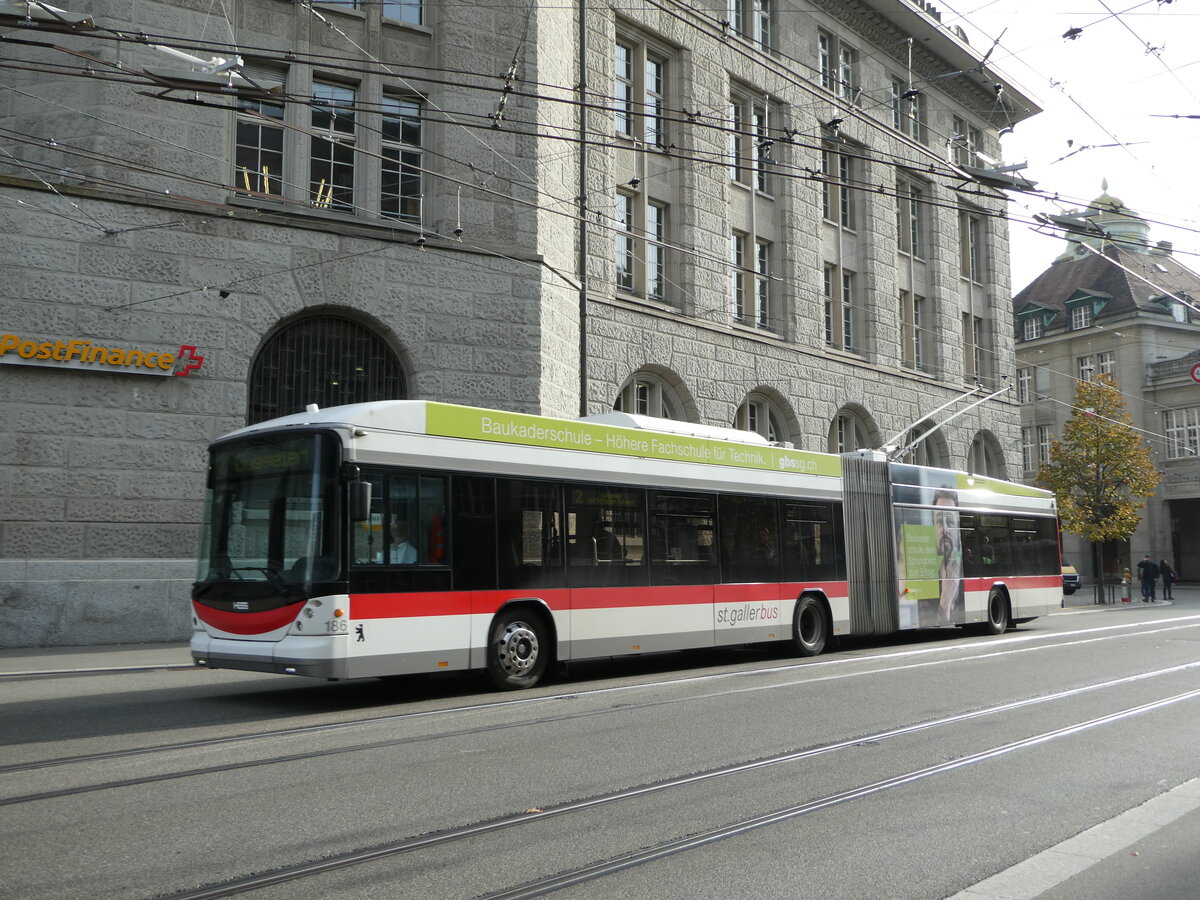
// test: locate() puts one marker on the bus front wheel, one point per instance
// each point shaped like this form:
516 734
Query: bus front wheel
811 627
518 650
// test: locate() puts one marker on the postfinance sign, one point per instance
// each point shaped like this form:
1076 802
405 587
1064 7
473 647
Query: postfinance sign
79 353
535 431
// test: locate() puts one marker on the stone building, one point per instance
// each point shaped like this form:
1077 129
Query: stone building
1115 303
737 214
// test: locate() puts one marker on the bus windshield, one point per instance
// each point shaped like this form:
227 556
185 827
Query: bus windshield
270 513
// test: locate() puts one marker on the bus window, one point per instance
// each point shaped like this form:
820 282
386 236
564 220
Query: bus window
606 536
812 541
474 533
529 529
1035 545
406 525
749 539
968 528
995 545
682 528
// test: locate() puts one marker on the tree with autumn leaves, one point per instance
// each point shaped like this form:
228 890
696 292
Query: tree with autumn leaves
1101 471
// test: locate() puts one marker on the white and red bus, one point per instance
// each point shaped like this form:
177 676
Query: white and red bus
409 536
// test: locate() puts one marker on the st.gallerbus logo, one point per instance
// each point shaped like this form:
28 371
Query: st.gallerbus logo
78 353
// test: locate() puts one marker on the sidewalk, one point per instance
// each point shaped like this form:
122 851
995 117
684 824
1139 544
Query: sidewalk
1084 598
115 658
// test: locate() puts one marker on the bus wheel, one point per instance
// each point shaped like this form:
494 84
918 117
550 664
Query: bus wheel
811 627
997 613
518 650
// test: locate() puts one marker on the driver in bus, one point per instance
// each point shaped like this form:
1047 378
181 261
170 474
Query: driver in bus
400 549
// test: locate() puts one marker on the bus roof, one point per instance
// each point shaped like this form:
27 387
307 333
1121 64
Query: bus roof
611 434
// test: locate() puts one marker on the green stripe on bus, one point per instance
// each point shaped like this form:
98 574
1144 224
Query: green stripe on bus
448 420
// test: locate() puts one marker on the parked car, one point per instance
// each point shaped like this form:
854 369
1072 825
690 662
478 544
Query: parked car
1070 579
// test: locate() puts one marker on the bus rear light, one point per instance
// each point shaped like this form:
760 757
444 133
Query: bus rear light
338 613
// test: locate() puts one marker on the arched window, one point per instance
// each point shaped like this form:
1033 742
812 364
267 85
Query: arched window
648 395
324 359
986 457
760 414
850 431
932 451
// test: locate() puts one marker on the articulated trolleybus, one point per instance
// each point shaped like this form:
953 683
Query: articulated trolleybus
405 536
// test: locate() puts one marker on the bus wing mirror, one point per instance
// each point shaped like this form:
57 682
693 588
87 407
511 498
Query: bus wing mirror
360 501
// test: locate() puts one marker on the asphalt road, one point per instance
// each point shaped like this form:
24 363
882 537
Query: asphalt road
1057 760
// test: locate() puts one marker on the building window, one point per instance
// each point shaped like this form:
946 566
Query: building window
648 395
1081 317
327 360
1085 367
749 147
837 198
750 292
331 149
908 110
910 217
327 143
762 284
1024 384
965 143
1028 450
640 231
408 11
1035 447
758 414
737 275
840 314
640 93
974 348
1106 363
258 151
1182 428
972 233
400 185
847 433
837 63
623 92
1033 328
656 251
624 242
751 19
913 332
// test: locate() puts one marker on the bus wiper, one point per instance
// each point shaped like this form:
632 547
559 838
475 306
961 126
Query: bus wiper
277 582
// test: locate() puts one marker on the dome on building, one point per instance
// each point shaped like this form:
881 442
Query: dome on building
1117 224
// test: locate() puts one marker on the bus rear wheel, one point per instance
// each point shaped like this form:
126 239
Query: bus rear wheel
810 629
518 650
997 613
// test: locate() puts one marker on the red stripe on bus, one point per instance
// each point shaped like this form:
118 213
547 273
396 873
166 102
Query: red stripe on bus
462 603
1014 581
247 622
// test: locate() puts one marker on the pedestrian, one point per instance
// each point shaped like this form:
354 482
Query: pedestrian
1169 578
1148 573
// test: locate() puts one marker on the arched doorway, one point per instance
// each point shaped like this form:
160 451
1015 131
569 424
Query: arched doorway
324 359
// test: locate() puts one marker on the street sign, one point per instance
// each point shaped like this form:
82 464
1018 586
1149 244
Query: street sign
1196 373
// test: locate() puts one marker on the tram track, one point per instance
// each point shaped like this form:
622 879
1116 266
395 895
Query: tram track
893 658
607 866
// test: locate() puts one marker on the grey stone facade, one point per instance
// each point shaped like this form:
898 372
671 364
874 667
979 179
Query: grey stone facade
124 225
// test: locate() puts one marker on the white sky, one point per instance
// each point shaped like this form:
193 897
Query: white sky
1104 87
